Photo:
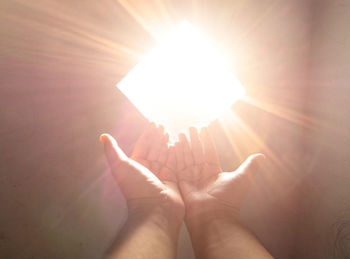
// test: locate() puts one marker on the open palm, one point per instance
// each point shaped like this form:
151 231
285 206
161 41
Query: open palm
147 179
205 188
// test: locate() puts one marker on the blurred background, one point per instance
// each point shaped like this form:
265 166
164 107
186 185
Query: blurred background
60 61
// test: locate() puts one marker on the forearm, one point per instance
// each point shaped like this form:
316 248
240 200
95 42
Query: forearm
143 237
224 237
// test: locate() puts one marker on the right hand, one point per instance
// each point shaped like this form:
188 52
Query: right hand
207 191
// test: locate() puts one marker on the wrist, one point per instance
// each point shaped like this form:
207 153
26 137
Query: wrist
156 216
217 234
200 216
143 231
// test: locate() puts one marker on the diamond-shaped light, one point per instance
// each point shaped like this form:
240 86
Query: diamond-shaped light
182 82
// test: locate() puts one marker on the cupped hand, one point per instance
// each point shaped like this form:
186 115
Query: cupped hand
147 179
206 190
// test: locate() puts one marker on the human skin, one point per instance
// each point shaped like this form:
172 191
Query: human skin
148 182
213 199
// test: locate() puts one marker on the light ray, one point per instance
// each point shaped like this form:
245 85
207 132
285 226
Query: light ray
282 112
75 33
127 6
233 124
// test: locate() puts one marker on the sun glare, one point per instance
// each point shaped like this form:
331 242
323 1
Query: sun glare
184 81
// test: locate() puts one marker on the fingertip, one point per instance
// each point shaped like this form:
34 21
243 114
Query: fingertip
192 129
152 131
166 137
262 156
102 138
257 157
161 128
150 128
151 125
107 144
254 162
205 129
182 137
205 137
107 138
204 132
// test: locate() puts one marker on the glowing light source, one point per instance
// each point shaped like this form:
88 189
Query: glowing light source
184 81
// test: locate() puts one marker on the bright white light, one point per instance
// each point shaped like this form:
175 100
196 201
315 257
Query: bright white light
182 82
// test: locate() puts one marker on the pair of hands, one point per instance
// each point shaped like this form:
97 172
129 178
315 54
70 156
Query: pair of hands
181 180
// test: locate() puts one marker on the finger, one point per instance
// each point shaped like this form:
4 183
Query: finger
250 167
161 128
210 155
155 167
168 172
114 154
180 160
163 154
242 178
156 141
143 144
188 158
171 159
125 171
196 146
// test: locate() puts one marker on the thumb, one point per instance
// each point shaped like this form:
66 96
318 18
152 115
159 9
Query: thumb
238 182
251 165
243 176
115 156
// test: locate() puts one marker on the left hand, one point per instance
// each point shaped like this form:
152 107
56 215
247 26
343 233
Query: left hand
147 179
